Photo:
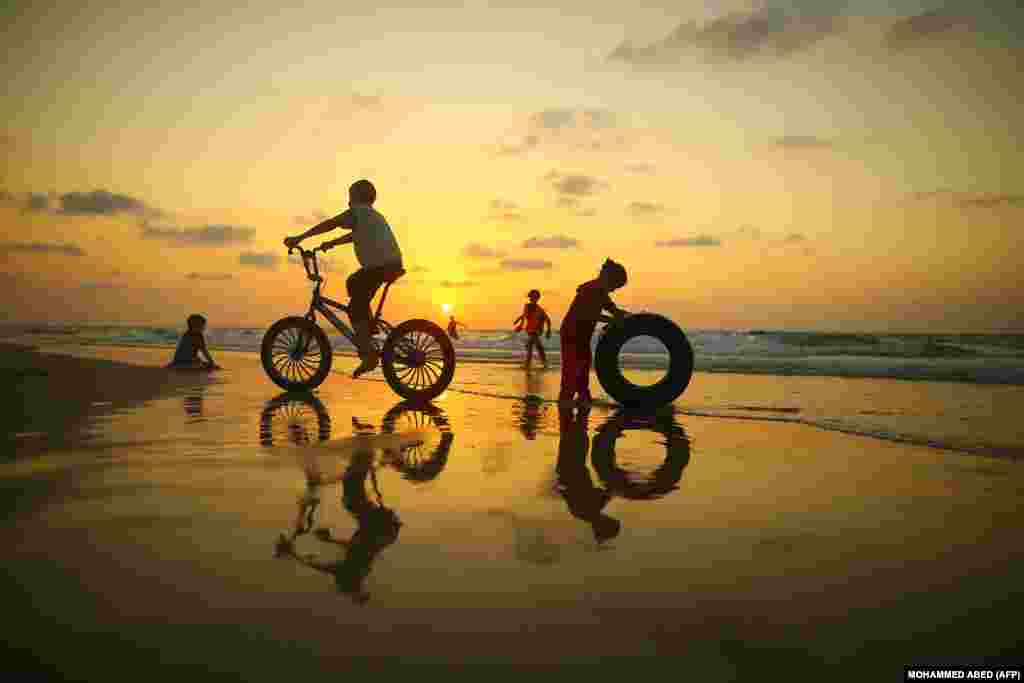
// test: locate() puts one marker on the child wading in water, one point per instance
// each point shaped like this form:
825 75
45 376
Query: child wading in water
191 344
578 327
378 254
534 318
453 327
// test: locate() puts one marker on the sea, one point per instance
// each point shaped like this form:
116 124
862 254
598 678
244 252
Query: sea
973 358
961 392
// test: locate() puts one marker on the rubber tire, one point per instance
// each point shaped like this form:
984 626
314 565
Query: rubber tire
680 366
285 401
423 469
325 353
388 360
665 478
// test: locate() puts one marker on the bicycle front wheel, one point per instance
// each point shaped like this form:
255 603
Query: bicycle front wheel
296 354
418 360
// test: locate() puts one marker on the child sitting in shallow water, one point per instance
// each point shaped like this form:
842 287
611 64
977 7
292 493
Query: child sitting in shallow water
191 344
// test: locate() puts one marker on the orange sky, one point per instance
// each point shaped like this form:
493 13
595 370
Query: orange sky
763 167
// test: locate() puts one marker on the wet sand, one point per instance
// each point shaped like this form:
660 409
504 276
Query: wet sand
745 547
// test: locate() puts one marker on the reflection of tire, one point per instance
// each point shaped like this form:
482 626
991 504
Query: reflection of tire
665 478
418 360
417 463
296 354
294 417
680 354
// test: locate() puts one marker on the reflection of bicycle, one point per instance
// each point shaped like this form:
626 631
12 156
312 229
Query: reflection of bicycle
607 363
665 479
294 417
417 357
299 418
377 526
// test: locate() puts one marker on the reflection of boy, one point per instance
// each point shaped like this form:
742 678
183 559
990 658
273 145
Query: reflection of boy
585 500
377 528
534 318
191 344
578 326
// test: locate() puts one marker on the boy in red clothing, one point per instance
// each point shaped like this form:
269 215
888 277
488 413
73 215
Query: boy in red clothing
534 317
578 327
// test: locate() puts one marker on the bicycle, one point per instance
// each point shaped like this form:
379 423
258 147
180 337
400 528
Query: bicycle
417 357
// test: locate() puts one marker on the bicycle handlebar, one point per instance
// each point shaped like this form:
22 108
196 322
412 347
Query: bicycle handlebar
307 257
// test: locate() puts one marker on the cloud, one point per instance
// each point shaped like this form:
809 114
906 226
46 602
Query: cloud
989 201
210 276
566 118
474 250
698 241
201 236
552 242
525 145
312 219
749 231
767 32
647 210
915 30
37 201
42 248
575 184
264 259
931 194
509 217
795 237
579 128
526 264
970 200
458 283
343 106
326 263
419 269
802 141
100 202
641 168
505 210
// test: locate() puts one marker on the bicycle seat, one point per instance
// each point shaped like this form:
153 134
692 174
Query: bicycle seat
395 275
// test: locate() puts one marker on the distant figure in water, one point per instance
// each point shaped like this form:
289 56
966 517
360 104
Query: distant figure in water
585 500
453 327
534 318
578 327
191 344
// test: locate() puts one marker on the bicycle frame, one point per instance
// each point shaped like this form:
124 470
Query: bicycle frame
324 304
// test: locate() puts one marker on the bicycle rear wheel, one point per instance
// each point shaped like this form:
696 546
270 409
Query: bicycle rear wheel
418 360
296 354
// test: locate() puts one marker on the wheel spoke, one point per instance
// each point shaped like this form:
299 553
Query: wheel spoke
430 373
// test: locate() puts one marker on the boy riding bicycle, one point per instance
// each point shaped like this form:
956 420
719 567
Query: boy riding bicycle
378 254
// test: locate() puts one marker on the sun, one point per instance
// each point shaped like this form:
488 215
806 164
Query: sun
446 307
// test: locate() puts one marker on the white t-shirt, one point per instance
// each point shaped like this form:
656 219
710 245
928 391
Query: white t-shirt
372 238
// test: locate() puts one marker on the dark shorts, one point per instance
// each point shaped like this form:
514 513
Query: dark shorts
363 284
